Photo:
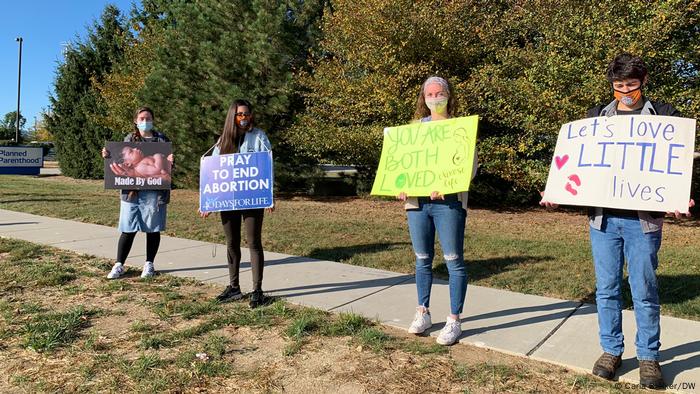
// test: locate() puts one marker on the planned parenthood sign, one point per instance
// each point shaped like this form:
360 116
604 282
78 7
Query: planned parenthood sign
21 160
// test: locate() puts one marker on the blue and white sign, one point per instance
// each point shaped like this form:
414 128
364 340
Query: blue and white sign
236 181
21 160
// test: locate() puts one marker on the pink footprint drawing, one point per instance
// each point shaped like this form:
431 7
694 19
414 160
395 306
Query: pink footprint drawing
576 180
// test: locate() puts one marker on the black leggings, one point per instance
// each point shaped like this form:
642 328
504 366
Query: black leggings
253 220
127 239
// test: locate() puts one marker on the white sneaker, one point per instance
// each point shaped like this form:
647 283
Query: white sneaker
148 270
421 321
117 271
451 332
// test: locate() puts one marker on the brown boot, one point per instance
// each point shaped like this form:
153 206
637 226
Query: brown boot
606 366
650 375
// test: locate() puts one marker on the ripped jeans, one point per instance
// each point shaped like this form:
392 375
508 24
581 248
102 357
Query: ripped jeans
449 219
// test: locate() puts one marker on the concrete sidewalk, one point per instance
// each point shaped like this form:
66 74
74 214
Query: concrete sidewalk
547 329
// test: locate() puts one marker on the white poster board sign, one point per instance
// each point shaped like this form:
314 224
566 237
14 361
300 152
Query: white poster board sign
636 162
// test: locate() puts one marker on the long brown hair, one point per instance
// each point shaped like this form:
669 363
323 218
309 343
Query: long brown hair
422 110
136 135
232 135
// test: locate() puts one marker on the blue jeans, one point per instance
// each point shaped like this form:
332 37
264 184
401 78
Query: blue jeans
622 238
449 219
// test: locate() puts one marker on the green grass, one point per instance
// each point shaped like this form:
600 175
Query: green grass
48 331
528 251
201 346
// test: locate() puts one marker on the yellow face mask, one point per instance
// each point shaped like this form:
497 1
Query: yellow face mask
629 98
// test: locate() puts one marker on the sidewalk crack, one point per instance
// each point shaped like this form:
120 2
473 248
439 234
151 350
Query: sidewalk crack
554 330
372 293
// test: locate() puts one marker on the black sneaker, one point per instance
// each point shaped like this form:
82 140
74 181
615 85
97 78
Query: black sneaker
257 298
230 294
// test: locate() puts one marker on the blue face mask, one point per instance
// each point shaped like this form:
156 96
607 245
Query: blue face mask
144 126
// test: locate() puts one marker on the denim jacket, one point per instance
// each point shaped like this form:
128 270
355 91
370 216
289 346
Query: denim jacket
649 223
163 195
253 141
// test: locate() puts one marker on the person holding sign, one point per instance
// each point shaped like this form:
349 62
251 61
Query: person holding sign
240 136
143 210
445 213
623 234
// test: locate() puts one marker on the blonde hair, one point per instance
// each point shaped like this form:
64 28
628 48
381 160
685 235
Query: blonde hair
422 110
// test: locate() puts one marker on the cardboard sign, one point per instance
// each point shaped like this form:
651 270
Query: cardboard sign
635 162
236 181
138 165
21 160
420 158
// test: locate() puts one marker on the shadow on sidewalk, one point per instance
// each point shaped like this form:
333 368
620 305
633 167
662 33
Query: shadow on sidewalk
673 368
17 223
564 310
379 283
244 264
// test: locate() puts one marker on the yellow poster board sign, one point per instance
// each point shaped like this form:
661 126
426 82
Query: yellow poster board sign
420 158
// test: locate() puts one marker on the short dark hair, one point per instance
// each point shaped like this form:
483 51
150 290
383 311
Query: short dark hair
626 66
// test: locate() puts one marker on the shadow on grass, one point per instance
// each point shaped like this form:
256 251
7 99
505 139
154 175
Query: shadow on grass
347 252
673 289
46 199
480 269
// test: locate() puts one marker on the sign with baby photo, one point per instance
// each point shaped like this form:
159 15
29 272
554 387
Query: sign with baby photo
236 181
635 162
424 157
138 165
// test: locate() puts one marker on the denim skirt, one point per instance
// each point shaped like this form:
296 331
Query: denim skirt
143 215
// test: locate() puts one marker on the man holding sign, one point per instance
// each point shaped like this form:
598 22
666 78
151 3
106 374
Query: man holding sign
629 170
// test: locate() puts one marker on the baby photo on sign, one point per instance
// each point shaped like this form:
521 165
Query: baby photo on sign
138 165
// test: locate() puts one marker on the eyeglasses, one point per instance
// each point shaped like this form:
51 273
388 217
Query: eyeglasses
243 114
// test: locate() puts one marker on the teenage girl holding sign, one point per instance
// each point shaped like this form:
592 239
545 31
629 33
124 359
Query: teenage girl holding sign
445 214
240 136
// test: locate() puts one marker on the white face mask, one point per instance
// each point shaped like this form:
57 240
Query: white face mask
438 105
144 126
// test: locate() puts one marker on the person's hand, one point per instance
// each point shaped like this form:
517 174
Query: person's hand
170 159
123 170
203 214
271 209
105 153
402 196
547 204
436 196
679 215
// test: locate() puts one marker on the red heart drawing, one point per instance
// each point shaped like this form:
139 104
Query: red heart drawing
560 161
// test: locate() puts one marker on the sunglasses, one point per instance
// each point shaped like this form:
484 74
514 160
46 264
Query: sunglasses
243 114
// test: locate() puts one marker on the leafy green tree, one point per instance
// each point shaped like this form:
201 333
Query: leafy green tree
213 52
77 107
524 67
8 128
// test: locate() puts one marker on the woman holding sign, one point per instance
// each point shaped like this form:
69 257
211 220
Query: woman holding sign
142 210
240 136
445 214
